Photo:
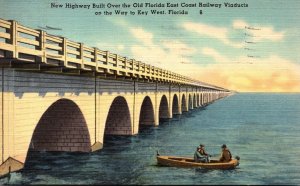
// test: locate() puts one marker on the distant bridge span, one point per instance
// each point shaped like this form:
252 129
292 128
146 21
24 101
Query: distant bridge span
60 95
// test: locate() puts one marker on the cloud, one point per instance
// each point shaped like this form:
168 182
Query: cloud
272 73
239 24
142 35
120 47
263 32
168 54
214 54
219 33
269 74
178 47
223 33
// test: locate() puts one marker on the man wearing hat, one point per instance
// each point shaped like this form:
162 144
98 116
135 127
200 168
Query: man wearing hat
201 155
226 154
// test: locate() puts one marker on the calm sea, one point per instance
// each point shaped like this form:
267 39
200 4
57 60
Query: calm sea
263 129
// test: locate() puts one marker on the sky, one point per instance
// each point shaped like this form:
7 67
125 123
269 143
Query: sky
252 49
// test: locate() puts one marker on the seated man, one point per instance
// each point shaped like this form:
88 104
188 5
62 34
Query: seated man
201 155
226 154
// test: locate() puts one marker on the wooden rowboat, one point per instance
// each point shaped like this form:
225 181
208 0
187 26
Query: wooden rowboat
174 161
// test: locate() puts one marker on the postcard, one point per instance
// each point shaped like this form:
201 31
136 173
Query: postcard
181 92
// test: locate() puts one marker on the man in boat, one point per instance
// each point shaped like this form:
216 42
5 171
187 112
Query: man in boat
226 154
201 155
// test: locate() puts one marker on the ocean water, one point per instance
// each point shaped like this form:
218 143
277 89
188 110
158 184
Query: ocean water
263 129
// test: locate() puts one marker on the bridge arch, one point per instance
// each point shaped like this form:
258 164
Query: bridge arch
175 105
118 121
62 127
146 113
184 107
163 108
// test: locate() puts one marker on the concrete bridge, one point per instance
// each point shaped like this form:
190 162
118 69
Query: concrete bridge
59 95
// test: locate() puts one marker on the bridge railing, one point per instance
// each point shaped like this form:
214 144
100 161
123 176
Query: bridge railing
37 46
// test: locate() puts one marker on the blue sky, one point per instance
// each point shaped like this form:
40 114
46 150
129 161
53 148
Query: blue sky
210 47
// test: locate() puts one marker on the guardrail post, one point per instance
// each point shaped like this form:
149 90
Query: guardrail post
107 57
96 58
117 60
139 69
139 66
132 66
42 46
125 64
64 51
81 55
117 64
107 62
14 38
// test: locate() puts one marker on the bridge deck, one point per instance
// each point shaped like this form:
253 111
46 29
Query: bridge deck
26 48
